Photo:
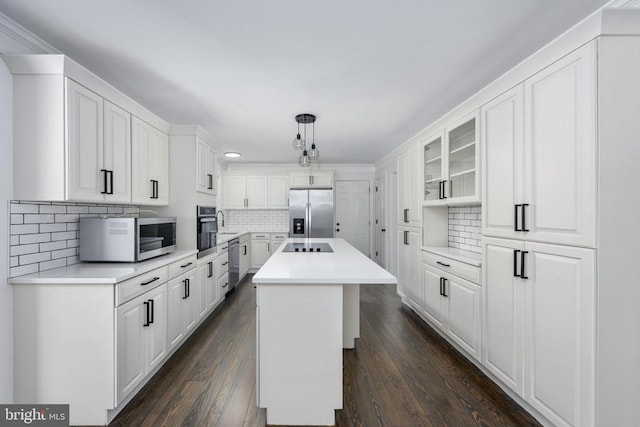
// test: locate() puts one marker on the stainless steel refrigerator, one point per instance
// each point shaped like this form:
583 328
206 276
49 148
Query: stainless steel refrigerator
311 213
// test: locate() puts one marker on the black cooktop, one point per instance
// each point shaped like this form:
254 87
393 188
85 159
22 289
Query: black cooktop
307 247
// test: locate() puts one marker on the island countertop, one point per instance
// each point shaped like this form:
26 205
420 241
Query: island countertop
344 265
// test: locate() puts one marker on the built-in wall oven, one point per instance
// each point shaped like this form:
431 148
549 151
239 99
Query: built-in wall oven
207 230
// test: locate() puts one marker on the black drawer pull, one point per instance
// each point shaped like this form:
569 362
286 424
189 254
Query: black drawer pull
224 248
225 285
186 265
225 263
150 281
442 263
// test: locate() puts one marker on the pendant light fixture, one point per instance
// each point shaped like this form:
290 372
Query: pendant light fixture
300 143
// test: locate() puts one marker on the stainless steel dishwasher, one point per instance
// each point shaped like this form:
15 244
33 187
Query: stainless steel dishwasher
234 263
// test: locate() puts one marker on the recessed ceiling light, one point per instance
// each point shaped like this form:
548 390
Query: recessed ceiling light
231 154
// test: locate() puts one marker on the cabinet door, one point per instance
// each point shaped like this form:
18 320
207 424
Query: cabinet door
141 187
160 166
131 345
259 252
502 312
402 263
117 153
223 285
245 257
560 135
401 190
203 291
202 170
322 180
257 192
413 284
300 180
190 309
85 143
279 192
432 308
503 163
433 157
213 292
175 326
211 171
463 160
560 332
414 186
157 331
463 313
235 192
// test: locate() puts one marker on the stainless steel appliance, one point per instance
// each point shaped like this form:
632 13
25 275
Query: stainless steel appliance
207 229
234 263
311 213
126 239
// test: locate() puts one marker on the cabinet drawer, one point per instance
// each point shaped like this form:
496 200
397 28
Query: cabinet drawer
280 237
223 283
183 265
460 269
222 264
260 236
245 238
129 289
222 248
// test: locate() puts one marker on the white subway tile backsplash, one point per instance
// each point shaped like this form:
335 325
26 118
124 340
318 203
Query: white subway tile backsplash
258 219
44 235
465 228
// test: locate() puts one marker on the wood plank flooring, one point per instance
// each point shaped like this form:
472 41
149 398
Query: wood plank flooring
401 373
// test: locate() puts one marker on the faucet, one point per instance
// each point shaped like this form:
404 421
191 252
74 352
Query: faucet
220 212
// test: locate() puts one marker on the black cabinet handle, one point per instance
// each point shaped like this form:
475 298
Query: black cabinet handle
224 248
110 182
440 196
225 263
151 301
186 294
186 265
150 281
209 181
444 194
515 218
450 188
225 285
406 237
515 263
442 263
522 274
244 249
444 287
337 229
441 292
210 270
153 189
104 176
383 230
524 220
406 215
146 323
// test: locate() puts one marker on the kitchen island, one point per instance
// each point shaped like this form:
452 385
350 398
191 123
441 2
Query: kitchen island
307 312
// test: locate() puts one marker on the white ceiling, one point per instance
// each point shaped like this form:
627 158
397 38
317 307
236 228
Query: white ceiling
375 72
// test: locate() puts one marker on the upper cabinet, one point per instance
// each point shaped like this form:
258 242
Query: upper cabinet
311 179
451 163
539 156
150 158
205 168
409 205
73 134
256 192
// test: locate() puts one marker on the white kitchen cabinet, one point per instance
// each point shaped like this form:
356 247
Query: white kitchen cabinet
116 161
142 338
245 254
539 158
539 323
235 192
150 160
257 192
183 307
409 183
205 167
409 267
260 249
452 303
452 162
311 179
278 192
208 294
277 239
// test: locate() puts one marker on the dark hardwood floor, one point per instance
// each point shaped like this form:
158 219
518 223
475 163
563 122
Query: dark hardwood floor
402 373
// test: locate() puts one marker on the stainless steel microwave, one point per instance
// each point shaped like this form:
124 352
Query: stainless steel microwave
126 239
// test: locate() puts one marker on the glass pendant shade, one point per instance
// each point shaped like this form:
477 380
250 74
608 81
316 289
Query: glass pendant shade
298 143
304 160
314 154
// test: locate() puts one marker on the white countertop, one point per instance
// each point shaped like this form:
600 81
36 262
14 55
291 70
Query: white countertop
99 272
345 265
461 255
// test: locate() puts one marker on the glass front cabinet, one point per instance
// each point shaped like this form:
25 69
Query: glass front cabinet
451 164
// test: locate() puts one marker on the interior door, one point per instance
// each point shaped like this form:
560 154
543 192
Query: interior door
353 213
381 221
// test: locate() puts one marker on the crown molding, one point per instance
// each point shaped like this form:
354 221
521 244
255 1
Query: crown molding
24 37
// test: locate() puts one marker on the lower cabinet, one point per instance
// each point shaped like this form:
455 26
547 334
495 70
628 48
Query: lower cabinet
453 304
409 269
260 249
208 294
141 337
183 307
245 254
539 323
